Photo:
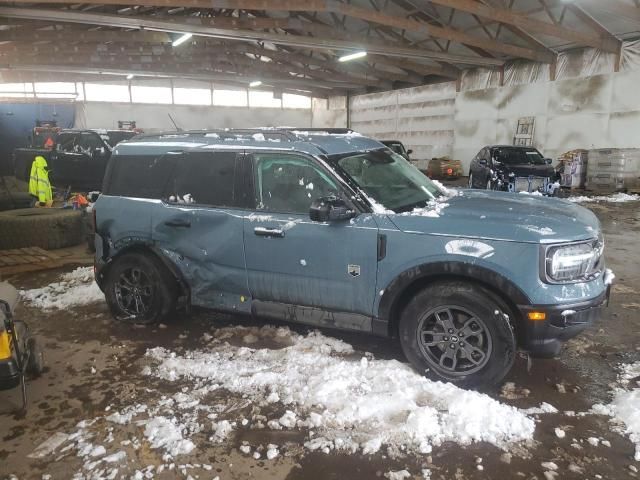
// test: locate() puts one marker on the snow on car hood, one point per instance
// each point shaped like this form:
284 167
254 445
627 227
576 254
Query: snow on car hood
502 216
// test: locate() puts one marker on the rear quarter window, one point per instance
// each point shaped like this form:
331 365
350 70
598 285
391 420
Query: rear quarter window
204 178
140 176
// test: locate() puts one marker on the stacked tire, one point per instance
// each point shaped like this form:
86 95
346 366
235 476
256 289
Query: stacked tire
47 228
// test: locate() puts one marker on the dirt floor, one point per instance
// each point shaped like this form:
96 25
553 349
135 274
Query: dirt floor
95 365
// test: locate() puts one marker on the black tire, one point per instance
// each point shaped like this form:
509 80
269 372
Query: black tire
471 180
47 228
494 337
151 299
36 363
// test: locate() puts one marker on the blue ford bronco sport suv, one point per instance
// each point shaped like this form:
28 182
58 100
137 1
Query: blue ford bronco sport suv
337 230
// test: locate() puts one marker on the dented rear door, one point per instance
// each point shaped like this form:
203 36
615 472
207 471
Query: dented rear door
199 227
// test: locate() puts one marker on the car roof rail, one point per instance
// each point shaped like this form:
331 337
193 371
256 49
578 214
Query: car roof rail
290 134
226 133
326 131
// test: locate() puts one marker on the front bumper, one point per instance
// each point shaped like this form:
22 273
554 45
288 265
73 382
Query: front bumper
544 339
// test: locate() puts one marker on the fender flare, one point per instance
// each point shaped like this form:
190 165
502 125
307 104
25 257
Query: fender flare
422 273
149 248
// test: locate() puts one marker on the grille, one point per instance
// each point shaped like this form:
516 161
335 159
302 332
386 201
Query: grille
533 184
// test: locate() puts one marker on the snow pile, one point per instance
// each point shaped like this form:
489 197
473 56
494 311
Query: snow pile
534 194
349 403
433 209
615 198
625 407
165 433
74 288
448 192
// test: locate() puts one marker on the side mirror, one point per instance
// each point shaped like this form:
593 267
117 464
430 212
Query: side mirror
483 162
330 209
409 152
548 161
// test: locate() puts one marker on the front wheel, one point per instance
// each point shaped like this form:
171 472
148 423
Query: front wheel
139 289
471 180
458 332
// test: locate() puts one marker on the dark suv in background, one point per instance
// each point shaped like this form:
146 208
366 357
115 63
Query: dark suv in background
512 169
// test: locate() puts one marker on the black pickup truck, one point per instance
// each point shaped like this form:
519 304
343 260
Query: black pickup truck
78 159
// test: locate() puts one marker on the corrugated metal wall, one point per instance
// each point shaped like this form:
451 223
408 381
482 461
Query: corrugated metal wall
588 106
420 117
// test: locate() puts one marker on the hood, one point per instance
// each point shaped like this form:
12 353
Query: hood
526 169
502 216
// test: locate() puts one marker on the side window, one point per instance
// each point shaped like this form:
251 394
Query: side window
204 178
139 176
88 142
67 142
288 183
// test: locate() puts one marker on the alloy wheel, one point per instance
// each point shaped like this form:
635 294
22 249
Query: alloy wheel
134 291
454 341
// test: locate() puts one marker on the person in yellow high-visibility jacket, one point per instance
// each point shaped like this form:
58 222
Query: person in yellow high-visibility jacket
39 185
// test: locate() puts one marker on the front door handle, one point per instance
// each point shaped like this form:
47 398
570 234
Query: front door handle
178 223
268 232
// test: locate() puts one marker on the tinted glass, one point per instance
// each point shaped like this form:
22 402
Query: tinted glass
116 136
67 142
397 147
518 156
204 178
389 179
89 141
140 176
289 183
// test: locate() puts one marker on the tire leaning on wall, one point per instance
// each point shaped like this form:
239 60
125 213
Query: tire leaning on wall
47 228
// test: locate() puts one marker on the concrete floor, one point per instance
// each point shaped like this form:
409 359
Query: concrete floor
85 337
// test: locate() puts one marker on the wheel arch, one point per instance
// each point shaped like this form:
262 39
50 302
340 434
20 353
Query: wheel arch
157 254
402 288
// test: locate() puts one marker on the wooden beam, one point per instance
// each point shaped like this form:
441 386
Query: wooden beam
196 27
189 57
523 34
420 68
242 66
365 14
66 35
530 24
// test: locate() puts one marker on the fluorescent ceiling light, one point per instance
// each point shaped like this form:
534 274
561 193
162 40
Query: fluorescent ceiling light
352 56
255 83
130 76
182 39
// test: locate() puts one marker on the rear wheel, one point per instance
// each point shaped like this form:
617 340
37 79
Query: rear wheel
458 332
139 289
36 364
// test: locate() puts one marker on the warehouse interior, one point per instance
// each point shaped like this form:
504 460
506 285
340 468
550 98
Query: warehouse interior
449 85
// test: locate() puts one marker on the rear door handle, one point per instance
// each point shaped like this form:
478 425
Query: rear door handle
178 223
268 232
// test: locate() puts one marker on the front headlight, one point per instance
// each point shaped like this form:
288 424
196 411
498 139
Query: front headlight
574 262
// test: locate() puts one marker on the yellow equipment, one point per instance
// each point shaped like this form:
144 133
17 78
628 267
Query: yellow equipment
39 185
20 353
